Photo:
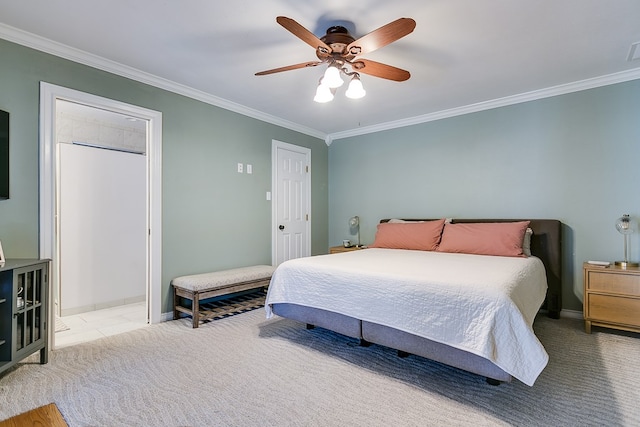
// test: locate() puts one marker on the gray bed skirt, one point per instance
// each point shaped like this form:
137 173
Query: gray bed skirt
393 338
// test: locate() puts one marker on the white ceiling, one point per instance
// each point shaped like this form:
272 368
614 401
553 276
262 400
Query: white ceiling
463 55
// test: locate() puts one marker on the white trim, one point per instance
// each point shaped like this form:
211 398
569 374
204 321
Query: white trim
49 93
275 145
76 55
33 41
610 79
571 314
166 316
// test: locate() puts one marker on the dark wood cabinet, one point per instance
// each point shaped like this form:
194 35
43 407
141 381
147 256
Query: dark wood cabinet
24 298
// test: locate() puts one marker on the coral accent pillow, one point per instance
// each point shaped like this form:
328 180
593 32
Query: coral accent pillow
421 236
491 238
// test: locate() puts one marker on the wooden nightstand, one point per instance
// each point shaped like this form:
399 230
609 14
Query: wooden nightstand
611 297
338 249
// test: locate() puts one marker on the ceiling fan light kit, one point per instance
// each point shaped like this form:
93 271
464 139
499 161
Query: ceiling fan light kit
332 80
339 50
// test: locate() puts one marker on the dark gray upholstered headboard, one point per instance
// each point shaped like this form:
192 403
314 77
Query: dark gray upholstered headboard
546 244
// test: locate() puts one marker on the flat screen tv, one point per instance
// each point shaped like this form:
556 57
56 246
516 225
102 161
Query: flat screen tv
4 155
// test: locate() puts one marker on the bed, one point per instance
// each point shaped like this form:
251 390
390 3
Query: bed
478 319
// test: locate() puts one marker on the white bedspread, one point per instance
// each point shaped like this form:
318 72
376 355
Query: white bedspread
485 305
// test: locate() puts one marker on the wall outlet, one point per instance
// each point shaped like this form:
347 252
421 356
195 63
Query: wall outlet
249 168
240 168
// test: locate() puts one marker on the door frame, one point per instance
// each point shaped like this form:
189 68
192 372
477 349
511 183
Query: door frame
275 145
49 93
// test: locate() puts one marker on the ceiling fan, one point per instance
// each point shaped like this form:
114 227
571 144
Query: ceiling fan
341 52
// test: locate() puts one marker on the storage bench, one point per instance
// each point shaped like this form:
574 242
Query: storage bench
199 287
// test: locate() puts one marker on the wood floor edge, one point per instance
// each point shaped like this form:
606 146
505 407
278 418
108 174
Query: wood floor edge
47 415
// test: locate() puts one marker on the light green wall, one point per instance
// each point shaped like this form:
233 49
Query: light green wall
213 217
573 157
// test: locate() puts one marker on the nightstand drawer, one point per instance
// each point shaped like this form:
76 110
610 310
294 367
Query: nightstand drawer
614 309
618 283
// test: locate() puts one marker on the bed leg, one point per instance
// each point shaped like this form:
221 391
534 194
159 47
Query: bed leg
403 354
554 314
492 381
364 343
310 326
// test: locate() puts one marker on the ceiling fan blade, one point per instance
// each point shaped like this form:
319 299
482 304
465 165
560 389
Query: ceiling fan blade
382 36
303 34
377 69
289 67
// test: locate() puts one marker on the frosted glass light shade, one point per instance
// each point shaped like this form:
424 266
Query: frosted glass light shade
355 89
323 94
332 78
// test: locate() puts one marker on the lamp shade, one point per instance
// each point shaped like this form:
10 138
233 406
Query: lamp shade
323 94
355 89
624 225
332 77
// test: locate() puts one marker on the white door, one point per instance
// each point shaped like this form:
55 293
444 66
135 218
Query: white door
102 228
291 201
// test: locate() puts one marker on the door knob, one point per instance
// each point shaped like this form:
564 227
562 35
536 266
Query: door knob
281 227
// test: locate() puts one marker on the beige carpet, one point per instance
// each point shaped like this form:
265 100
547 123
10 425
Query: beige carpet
246 371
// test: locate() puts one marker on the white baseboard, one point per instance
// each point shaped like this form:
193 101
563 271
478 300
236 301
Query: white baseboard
164 317
101 305
571 314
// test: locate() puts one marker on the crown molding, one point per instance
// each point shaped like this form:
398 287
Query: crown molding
42 44
76 55
595 82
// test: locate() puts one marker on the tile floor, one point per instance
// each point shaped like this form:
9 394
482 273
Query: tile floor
92 325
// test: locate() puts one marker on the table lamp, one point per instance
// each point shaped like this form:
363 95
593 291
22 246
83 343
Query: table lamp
354 222
625 226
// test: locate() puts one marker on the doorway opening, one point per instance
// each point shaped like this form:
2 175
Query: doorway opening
52 151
